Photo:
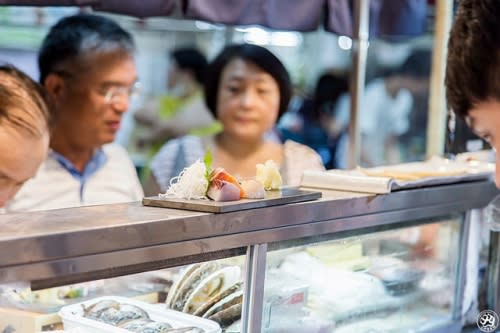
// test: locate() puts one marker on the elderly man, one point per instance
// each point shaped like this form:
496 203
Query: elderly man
24 130
87 66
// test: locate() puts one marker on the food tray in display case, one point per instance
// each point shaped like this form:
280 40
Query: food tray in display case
272 198
73 317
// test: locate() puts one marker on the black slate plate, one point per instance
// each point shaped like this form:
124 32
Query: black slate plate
272 198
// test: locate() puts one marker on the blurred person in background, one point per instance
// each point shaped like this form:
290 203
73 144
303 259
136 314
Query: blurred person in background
247 89
87 67
317 125
24 130
414 77
388 109
182 110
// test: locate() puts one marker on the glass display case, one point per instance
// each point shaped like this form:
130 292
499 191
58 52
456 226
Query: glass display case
383 281
348 262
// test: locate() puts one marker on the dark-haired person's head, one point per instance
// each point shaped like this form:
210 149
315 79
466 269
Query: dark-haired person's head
189 60
87 66
417 64
24 130
412 75
329 88
258 57
75 39
473 69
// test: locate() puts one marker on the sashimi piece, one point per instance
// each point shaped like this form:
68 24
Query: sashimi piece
222 174
221 190
253 189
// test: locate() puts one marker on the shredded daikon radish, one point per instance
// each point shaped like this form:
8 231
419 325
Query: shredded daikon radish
191 183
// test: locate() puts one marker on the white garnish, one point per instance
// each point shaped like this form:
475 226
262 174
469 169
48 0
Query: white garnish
191 183
268 174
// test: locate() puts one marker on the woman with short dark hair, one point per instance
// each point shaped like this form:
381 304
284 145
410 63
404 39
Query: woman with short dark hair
247 89
249 53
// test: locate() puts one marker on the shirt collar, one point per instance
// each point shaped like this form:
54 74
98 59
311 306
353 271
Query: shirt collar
96 162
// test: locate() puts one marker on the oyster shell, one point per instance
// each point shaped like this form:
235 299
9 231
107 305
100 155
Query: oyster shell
210 286
190 282
225 303
135 325
218 297
95 310
125 312
228 316
156 327
179 282
134 312
186 330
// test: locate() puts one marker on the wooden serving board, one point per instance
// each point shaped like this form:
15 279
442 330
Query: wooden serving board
272 198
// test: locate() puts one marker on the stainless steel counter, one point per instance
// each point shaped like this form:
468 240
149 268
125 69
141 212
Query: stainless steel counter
101 241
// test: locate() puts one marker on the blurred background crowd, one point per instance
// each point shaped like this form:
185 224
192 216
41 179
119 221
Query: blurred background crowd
172 53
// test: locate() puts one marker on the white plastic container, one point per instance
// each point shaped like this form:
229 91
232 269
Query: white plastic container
492 214
72 317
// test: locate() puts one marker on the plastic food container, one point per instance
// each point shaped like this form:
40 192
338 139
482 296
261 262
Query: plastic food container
492 214
72 317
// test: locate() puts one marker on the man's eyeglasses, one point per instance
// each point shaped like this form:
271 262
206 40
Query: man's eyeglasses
112 94
116 94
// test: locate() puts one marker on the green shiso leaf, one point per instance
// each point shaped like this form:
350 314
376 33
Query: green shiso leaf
207 159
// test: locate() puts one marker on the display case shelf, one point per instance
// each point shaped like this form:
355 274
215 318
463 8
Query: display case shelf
59 247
